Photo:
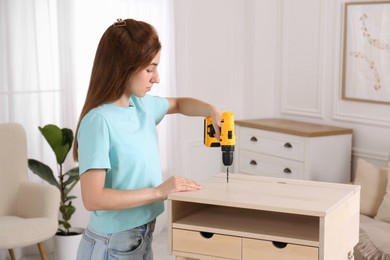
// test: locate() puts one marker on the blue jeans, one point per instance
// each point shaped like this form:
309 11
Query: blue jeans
134 244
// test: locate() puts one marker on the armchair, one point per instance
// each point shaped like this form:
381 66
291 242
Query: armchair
28 210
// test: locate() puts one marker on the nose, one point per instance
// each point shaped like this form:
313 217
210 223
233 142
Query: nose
156 77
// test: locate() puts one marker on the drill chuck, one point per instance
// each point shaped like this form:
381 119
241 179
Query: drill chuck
227 154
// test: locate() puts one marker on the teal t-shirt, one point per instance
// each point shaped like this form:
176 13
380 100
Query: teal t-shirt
123 140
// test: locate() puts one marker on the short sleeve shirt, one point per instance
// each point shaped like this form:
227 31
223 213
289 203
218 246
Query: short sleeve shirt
123 141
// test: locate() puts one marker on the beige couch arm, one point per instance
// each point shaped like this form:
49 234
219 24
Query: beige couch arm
37 200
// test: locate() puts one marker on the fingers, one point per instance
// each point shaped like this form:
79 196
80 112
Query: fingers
176 184
216 116
184 184
217 132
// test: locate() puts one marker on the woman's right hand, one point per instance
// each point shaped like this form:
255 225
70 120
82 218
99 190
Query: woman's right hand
177 184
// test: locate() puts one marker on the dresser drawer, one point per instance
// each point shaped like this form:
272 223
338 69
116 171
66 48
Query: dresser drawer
259 164
264 250
272 143
209 244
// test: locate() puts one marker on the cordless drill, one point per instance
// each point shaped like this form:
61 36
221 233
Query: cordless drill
227 138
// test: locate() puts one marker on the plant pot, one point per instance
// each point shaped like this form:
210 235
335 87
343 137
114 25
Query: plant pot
65 247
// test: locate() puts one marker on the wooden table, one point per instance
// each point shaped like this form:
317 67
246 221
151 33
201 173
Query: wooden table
255 217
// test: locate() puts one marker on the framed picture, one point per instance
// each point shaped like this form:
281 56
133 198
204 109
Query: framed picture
366 52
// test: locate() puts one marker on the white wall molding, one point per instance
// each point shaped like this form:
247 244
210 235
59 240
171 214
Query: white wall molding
296 64
188 148
182 56
361 119
234 93
197 168
315 113
370 154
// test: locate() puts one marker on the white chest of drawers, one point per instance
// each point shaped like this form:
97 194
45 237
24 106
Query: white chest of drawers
294 150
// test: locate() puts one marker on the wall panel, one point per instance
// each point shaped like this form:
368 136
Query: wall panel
301 57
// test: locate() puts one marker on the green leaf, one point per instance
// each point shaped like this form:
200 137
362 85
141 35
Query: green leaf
66 225
73 172
43 171
60 140
68 136
61 152
73 176
68 198
71 179
67 211
71 182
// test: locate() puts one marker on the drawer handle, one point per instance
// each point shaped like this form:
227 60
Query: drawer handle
206 234
253 139
279 244
287 145
287 170
253 162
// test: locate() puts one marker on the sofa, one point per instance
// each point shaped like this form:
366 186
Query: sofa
374 233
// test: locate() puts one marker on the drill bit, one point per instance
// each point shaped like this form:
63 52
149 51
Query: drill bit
227 174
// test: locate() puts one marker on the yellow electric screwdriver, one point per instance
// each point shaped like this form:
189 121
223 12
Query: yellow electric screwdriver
227 138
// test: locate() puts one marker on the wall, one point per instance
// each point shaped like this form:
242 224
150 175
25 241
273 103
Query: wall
209 51
215 62
309 77
268 58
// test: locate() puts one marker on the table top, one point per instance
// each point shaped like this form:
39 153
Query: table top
302 197
293 127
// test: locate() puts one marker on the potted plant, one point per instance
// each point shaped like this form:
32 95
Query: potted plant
60 140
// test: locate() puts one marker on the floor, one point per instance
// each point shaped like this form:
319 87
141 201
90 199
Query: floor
160 249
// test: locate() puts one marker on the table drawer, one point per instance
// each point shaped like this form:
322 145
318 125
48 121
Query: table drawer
276 144
259 164
206 244
264 250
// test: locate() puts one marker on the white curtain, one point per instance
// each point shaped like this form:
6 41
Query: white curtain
47 49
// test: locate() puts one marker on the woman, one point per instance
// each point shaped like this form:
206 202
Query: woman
116 144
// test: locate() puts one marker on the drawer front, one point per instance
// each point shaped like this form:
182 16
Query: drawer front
265 250
206 244
272 143
258 164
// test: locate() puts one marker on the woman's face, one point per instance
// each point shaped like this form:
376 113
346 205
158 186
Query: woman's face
142 81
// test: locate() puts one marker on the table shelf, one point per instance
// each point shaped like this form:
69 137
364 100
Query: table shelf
273 226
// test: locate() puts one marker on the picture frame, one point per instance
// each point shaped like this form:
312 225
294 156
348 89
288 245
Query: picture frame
366 52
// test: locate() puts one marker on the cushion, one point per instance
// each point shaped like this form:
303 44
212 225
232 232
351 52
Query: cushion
373 182
384 208
20 232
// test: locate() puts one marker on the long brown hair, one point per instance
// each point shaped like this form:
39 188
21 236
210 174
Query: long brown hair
126 47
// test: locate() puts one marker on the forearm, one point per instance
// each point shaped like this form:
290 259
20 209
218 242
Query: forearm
191 107
195 107
97 197
110 199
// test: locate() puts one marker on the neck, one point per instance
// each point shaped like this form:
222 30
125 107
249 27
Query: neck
123 101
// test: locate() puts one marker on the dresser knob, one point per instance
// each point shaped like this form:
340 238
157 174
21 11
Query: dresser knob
253 139
287 145
253 162
287 170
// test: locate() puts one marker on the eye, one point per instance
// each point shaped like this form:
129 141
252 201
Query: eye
149 70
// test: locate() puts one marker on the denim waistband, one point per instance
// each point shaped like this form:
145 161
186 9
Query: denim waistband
148 227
